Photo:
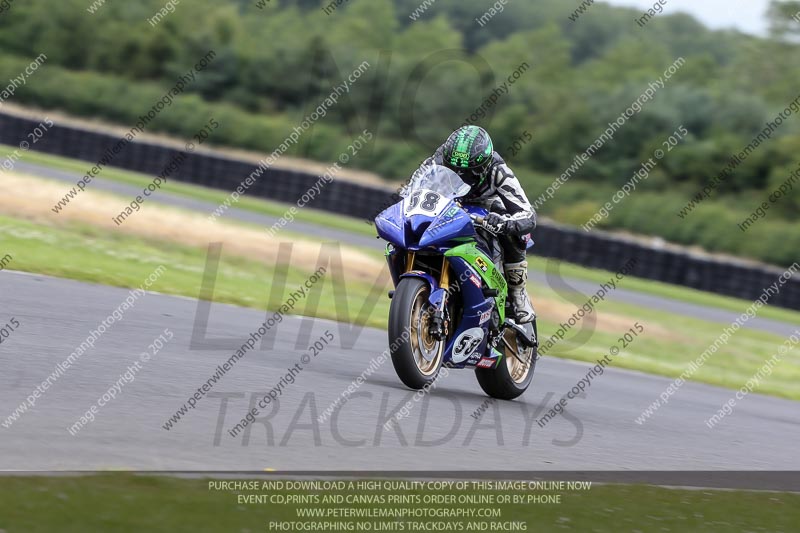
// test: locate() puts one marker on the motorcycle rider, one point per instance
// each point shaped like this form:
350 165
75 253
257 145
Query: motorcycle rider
469 152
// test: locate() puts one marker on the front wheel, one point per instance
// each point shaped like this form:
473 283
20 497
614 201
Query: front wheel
513 375
416 355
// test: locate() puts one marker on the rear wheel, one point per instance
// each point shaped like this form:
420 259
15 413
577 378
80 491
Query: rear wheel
416 356
513 375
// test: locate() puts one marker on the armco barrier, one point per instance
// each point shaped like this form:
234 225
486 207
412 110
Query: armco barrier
596 249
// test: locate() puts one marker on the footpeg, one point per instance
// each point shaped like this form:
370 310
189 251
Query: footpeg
528 338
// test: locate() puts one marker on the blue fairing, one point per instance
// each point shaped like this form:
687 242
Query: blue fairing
419 224
476 306
390 224
451 224
421 231
476 210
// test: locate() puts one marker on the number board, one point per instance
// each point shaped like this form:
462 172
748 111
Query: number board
424 202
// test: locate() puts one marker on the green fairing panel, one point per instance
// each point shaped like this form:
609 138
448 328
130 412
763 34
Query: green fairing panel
486 269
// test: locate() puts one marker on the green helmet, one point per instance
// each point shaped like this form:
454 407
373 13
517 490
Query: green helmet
468 151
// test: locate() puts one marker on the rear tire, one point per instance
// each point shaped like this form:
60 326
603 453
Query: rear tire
513 375
416 357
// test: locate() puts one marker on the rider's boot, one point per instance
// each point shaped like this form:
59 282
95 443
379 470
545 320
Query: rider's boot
517 276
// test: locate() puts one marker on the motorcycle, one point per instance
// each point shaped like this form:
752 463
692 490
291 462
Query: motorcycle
449 304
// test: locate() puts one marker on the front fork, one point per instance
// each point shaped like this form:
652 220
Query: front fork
438 325
437 322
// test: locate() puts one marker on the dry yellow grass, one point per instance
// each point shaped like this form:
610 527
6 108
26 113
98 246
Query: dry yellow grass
558 311
32 198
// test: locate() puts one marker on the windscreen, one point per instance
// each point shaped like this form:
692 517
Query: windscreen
438 179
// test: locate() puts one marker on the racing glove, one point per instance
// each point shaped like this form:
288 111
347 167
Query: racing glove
495 224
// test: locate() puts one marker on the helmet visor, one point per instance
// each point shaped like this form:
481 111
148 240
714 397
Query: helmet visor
472 176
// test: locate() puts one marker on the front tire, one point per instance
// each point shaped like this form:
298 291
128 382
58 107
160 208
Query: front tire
513 375
416 356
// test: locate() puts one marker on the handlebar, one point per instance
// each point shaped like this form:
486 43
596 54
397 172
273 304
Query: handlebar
477 219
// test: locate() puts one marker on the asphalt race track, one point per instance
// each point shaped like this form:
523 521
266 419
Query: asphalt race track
597 433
